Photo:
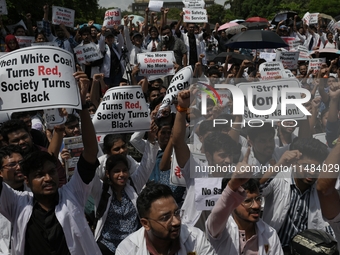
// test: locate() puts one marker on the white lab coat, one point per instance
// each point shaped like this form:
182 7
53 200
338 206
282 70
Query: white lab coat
191 239
139 178
69 213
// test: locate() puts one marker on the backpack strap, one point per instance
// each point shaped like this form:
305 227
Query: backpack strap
102 205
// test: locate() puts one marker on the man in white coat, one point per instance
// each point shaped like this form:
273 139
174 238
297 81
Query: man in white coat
51 220
162 231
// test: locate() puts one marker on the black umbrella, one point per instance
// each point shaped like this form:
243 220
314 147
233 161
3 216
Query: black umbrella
236 57
288 16
256 39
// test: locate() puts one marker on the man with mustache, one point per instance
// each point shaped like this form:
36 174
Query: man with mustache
234 225
162 231
51 220
292 203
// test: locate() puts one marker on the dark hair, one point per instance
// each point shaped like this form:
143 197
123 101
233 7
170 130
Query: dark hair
113 160
8 151
152 89
154 28
17 27
85 29
110 140
19 115
40 33
152 192
35 161
252 185
311 148
205 126
216 141
155 102
12 126
254 132
71 118
165 27
212 71
93 27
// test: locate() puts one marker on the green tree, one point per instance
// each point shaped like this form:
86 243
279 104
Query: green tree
324 6
216 13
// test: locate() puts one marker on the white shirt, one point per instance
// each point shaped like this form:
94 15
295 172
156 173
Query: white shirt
69 212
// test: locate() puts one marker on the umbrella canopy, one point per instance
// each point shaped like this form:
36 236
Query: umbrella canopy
236 57
239 21
235 30
256 39
227 25
288 16
255 25
256 19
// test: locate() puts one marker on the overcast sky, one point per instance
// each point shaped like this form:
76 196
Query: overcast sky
123 4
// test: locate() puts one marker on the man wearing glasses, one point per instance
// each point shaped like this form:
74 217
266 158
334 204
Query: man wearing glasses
162 231
234 225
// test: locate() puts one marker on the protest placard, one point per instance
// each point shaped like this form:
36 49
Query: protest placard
87 53
287 74
313 18
122 110
303 52
25 41
194 4
155 6
62 15
20 23
270 70
207 192
38 78
268 56
315 64
40 26
52 118
75 146
262 99
288 59
176 176
54 44
156 63
112 18
3 7
195 15
180 81
321 137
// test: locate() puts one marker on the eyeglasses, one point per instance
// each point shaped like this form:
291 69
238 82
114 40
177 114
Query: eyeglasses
249 202
167 218
12 164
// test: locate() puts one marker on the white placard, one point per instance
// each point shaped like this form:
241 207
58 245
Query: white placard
156 63
313 18
112 18
54 44
176 176
303 51
315 63
87 53
155 6
3 7
180 81
75 147
294 44
262 99
11 27
40 26
37 78
321 137
287 74
122 110
62 15
25 41
271 70
269 57
207 192
195 15
194 4
52 118
288 59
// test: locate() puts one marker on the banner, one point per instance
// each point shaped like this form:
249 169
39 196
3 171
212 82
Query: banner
122 110
52 118
195 15
155 6
271 70
112 18
3 7
87 53
303 52
180 81
156 63
194 4
36 78
288 59
262 99
25 41
207 192
62 15
315 64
